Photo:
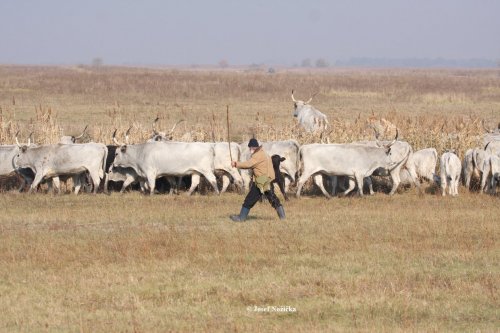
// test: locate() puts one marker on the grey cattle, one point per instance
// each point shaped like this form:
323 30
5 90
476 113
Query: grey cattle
474 163
494 172
310 118
401 151
222 157
69 139
488 168
289 149
450 169
152 160
352 160
473 166
162 136
49 161
493 147
424 163
7 167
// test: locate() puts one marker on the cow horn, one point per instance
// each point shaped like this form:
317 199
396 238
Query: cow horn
29 138
126 135
175 125
17 141
154 125
114 138
293 99
395 139
310 99
83 132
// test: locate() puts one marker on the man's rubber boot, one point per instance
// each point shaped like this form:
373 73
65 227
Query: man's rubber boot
242 217
281 212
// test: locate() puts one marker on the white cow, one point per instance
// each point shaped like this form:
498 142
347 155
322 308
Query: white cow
7 167
49 161
473 166
310 118
488 171
69 139
494 169
424 163
402 151
153 160
162 136
351 160
493 147
450 169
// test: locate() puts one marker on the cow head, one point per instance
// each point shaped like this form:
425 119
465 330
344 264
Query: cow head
21 159
121 151
163 136
72 139
387 146
299 105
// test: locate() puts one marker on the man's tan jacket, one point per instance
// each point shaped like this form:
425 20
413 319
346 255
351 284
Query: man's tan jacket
260 163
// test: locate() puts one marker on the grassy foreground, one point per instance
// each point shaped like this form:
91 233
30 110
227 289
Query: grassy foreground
137 263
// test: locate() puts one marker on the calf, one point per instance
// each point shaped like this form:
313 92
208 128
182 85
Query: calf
277 159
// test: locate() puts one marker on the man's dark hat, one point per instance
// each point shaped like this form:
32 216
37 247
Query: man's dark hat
253 143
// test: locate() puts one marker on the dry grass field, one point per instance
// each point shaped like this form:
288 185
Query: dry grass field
131 262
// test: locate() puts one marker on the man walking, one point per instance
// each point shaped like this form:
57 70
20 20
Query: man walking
261 165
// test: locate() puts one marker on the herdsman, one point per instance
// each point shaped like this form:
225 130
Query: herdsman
261 165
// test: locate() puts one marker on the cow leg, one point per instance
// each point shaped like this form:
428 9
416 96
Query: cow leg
484 178
444 180
55 183
212 180
302 180
395 180
287 184
245 175
77 183
225 183
237 180
36 181
359 181
151 183
333 180
318 180
370 184
106 183
129 180
195 180
350 187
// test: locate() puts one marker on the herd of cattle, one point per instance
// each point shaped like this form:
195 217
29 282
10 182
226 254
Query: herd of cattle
342 167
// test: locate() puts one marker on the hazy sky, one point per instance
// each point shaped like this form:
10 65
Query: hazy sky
185 32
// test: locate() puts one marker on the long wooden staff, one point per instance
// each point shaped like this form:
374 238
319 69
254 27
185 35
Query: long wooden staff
228 138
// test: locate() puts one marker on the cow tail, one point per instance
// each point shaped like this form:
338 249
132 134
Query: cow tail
474 160
447 168
300 163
